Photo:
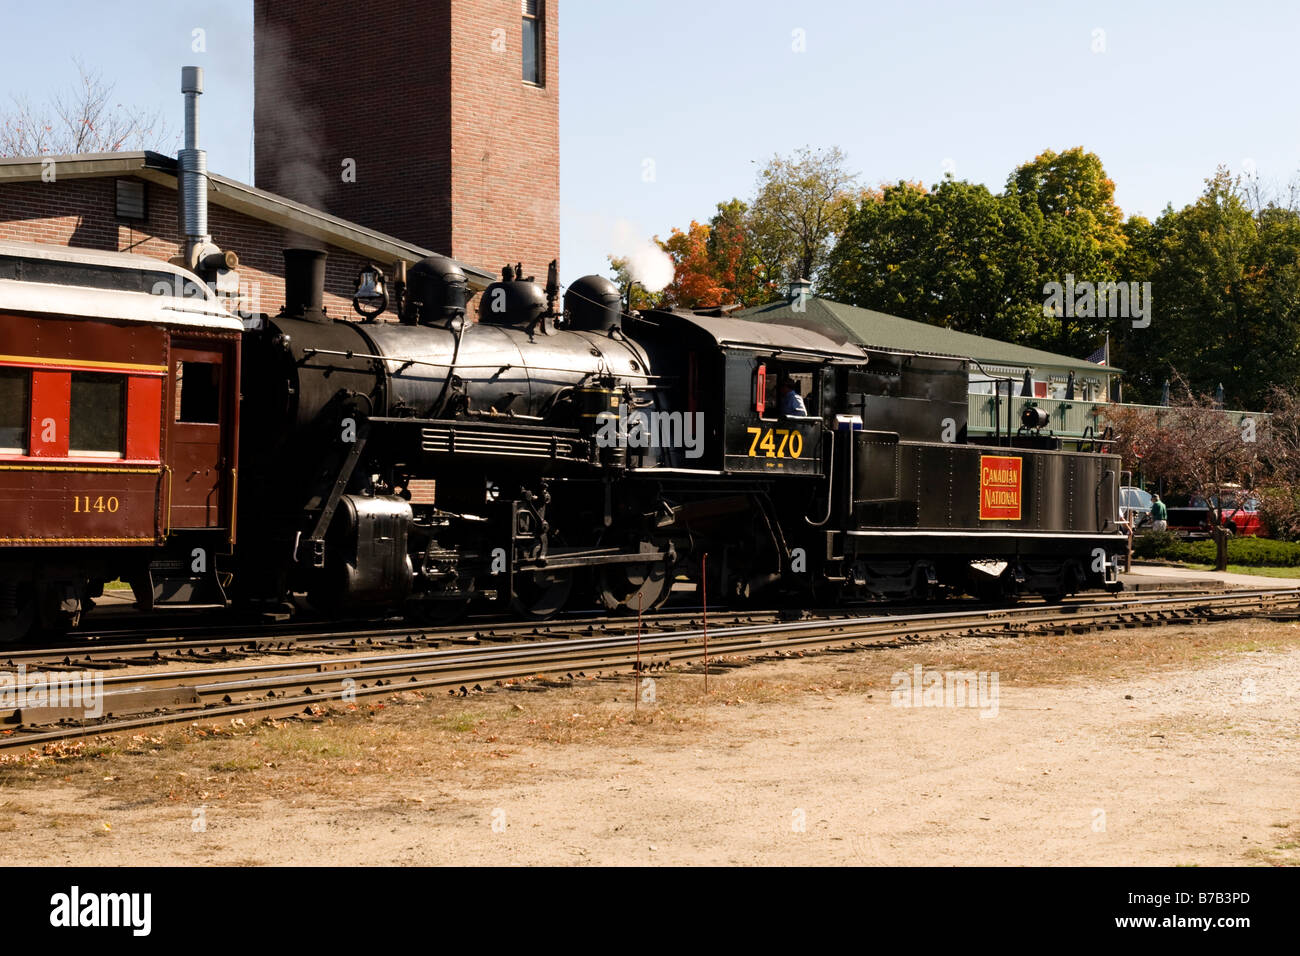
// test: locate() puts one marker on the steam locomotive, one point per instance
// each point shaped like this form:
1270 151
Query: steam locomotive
547 454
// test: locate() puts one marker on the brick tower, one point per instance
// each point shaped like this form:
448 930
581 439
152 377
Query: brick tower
434 122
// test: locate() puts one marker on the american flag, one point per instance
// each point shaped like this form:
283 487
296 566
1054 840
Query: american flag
1102 355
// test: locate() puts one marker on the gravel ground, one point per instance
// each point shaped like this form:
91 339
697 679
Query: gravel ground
1157 747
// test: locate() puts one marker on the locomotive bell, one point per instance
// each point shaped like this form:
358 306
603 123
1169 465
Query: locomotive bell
371 296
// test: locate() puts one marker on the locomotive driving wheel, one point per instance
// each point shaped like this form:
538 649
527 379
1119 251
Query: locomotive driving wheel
541 594
645 585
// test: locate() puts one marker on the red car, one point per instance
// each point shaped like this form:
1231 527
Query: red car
1240 516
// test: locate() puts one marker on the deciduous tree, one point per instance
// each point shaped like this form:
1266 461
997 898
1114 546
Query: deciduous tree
801 204
83 119
1194 445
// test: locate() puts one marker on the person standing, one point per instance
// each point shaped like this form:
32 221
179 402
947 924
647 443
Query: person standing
1159 514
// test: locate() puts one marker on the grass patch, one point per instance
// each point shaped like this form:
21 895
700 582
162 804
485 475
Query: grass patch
1265 572
238 765
307 742
461 723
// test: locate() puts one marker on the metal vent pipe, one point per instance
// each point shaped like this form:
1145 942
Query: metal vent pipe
193 163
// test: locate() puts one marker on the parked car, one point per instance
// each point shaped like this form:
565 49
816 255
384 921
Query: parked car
1240 515
1135 506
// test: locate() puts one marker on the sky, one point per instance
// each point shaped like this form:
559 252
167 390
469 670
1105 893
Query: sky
667 108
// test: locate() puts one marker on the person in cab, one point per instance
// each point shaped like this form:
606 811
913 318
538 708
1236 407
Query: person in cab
792 405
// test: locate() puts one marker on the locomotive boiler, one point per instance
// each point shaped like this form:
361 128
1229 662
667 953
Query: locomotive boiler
416 462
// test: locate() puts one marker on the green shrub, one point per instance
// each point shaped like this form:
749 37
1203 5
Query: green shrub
1255 552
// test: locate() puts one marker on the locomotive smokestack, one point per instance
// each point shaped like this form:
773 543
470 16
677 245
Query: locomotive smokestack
304 285
193 163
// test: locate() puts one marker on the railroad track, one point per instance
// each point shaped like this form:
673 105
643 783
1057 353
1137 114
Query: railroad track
110 653
211 644
134 701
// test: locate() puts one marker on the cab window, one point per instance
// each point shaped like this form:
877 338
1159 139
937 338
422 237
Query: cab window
803 387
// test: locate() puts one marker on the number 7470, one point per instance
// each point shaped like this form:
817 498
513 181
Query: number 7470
766 441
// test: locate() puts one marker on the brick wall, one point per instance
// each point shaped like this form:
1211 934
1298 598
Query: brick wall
453 150
82 213
505 137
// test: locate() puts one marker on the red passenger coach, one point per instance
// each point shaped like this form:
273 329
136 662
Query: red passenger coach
119 401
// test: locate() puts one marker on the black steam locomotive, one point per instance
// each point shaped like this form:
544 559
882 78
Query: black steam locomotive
543 456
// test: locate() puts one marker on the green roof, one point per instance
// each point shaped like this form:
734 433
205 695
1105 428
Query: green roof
878 330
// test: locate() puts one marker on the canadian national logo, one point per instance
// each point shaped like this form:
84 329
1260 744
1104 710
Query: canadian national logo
1000 488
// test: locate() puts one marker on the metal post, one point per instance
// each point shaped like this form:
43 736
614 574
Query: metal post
704 591
997 412
636 684
1011 389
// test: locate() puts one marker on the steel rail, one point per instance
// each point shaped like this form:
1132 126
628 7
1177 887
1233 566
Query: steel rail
100 648
859 626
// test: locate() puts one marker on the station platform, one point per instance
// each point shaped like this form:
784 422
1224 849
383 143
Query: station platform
1151 577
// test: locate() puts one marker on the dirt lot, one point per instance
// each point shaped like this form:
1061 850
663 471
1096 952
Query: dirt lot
1165 747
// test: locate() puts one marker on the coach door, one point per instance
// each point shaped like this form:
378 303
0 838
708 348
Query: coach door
196 423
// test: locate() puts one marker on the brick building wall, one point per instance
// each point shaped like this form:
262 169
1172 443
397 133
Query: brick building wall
82 213
453 151
505 138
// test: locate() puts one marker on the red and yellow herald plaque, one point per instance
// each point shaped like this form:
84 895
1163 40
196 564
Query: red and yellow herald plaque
1000 488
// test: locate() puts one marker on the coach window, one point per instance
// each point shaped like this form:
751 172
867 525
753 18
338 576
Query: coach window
15 389
532 43
96 417
198 393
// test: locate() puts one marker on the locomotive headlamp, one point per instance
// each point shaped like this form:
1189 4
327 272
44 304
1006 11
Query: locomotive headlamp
1034 417
371 296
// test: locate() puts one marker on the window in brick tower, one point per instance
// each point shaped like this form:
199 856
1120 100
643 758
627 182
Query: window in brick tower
534 50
